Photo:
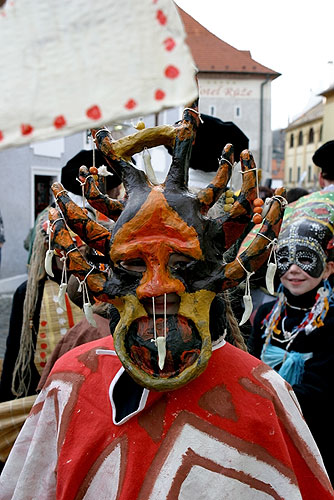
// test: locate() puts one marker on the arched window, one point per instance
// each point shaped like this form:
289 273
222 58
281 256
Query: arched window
300 138
291 141
311 135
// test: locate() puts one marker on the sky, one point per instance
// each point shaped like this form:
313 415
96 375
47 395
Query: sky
292 37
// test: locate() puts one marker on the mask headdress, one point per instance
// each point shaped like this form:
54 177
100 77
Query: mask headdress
306 234
166 256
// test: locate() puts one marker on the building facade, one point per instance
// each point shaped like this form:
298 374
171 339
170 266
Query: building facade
233 87
328 125
303 137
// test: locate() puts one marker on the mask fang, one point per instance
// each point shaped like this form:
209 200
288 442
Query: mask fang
160 342
247 298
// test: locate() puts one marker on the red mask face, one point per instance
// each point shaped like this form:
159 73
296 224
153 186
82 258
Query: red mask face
166 260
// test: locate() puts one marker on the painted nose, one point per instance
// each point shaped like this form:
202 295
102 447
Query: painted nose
294 268
158 281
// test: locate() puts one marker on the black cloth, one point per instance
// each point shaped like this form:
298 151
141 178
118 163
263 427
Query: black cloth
211 137
315 392
323 158
13 343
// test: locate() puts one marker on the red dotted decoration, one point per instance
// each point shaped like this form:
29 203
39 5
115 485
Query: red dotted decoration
44 323
43 355
44 345
59 122
42 335
172 71
161 17
131 104
26 129
42 364
94 112
1 136
169 43
159 95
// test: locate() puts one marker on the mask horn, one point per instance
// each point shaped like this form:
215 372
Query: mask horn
177 177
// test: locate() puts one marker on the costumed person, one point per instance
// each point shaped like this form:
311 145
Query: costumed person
294 333
164 408
323 158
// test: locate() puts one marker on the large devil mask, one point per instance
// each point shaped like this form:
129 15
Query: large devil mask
166 256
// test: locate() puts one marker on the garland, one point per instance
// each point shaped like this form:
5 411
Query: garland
313 319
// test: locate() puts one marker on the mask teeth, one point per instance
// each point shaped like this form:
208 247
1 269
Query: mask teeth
160 342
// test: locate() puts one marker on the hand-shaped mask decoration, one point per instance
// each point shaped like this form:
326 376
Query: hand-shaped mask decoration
166 256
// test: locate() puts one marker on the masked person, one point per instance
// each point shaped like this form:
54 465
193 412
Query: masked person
165 408
294 333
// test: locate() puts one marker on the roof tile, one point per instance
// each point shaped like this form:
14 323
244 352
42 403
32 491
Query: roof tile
211 54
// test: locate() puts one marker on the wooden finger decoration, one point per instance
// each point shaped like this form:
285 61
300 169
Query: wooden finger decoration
78 266
257 252
92 233
101 202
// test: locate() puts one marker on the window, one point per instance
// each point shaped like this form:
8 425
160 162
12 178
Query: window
320 133
290 174
291 141
298 174
212 110
237 112
43 196
309 175
311 135
300 138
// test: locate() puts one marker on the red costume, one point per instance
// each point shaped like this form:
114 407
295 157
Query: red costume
173 411
235 430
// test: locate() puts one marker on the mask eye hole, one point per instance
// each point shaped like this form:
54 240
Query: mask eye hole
178 261
305 261
134 265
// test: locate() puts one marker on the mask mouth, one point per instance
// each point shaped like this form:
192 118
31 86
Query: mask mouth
166 304
179 338
160 350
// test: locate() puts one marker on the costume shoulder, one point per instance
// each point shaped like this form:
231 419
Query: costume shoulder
73 358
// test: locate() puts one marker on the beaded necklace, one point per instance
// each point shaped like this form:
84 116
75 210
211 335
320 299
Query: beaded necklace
313 318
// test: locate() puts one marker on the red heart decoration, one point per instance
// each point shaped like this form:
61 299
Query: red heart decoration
59 121
131 104
172 72
26 129
94 112
159 94
161 17
169 43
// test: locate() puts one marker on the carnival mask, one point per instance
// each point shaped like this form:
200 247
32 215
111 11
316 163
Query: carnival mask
298 246
165 256
306 232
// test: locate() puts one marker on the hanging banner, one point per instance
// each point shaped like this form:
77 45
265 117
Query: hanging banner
73 65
